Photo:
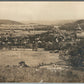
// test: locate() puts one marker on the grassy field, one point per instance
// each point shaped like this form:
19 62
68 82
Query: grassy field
46 73
17 74
22 33
31 58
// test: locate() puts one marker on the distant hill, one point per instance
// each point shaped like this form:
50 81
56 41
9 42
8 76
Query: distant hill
73 25
10 22
57 22
79 22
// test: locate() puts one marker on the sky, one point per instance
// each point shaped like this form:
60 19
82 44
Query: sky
41 11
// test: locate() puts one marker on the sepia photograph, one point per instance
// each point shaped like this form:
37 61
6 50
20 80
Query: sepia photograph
42 41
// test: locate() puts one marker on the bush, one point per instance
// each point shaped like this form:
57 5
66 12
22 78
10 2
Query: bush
76 56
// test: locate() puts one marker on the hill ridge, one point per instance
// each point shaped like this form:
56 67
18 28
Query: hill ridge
10 22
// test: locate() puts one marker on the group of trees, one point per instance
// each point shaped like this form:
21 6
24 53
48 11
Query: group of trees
76 53
13 41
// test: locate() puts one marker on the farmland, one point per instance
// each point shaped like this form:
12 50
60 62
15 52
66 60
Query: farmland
31 58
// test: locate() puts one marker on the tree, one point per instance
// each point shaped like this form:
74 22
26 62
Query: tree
77 54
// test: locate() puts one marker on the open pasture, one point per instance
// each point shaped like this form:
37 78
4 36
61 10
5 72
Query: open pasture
31 58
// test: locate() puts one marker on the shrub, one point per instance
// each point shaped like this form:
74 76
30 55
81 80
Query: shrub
76 56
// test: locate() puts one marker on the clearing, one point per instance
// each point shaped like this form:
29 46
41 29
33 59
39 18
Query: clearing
31 58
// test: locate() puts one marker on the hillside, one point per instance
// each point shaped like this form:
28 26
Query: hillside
56 22
73 25
10 22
